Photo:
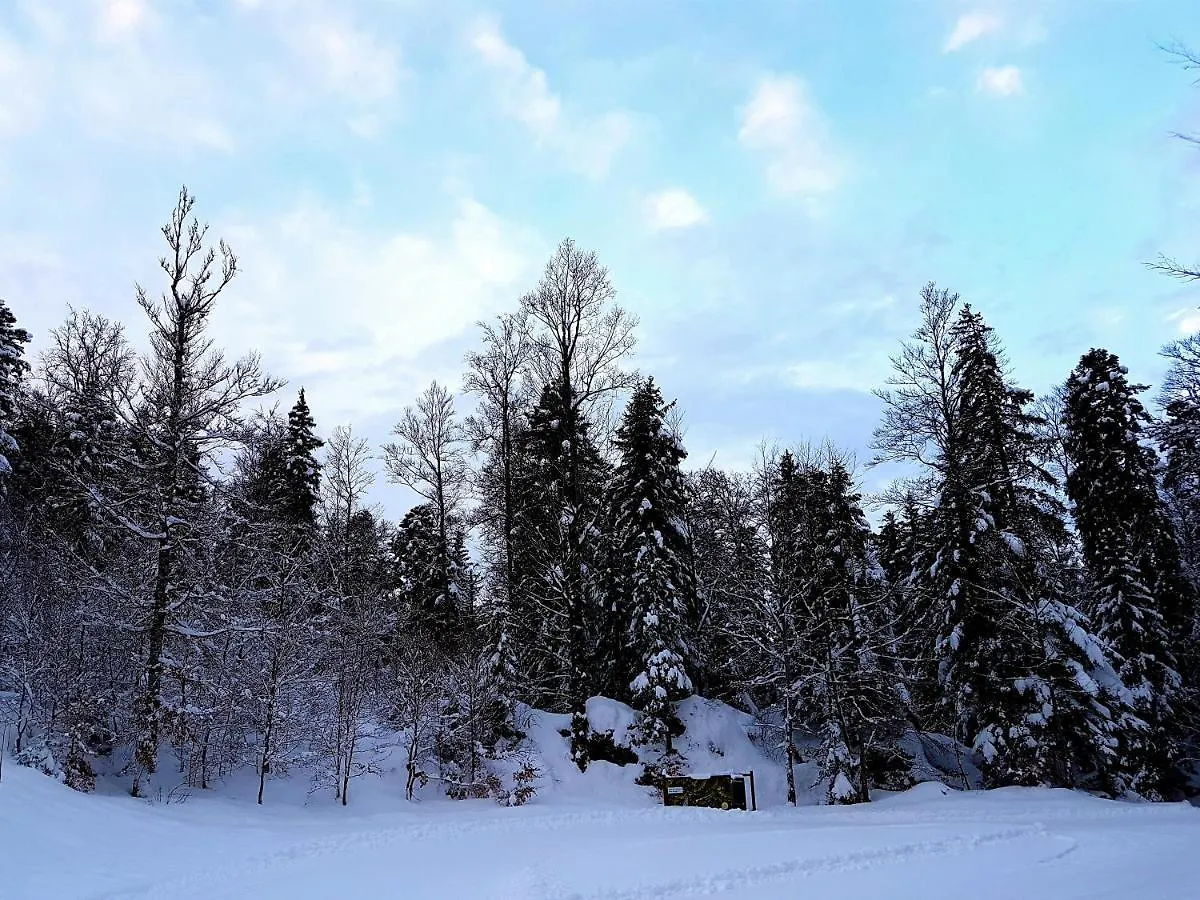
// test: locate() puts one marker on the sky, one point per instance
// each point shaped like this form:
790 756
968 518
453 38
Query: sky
770 184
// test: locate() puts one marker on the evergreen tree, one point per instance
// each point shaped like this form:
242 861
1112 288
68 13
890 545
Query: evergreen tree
301 470
1016 669
846 640
770 634
978 659
1132 561
261 478
12 368
652 560
429 590
1037 686
560 554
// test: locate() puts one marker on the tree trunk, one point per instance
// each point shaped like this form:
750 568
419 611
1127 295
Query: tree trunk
789 727
264 767
150 718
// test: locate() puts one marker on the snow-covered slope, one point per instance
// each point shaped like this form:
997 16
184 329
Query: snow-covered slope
596 835
928 842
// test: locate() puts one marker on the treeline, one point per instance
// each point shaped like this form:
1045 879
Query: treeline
191 579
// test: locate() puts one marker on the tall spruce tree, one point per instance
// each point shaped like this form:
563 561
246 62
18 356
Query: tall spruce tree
1128 547
1045 707
12 368
561 555
1016 668
980 663
773 631
301 470
847 640
428 589
652 560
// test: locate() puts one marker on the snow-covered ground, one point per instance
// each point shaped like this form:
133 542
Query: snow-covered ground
592 836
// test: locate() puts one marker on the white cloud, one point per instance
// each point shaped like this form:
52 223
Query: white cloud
522 92
118 19
862 374
118 76
327 59
1186 320
971 27
130 74
344 61
1000 81
129 97
354 310
673 208
783 126
22 79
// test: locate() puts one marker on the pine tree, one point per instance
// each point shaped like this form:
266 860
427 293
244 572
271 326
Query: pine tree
846 639
12 367
654 577
427 588
770 630
1017 670
560 553
1130 556
301 470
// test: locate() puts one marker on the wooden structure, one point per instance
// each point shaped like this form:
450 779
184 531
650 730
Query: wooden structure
734 791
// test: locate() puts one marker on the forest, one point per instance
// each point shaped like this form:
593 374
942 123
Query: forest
192 578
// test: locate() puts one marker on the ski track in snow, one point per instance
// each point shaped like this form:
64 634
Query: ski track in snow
538 883
370 839
751 876
533 883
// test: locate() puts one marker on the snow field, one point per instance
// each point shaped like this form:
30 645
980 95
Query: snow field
592 836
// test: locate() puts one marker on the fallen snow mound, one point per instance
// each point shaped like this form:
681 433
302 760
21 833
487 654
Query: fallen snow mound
717 739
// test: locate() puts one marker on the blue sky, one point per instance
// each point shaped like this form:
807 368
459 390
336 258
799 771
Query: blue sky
769 182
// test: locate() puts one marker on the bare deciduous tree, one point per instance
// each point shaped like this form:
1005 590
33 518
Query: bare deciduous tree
1190 61
921 402
497 376
347 479
430 459
581 336
186 409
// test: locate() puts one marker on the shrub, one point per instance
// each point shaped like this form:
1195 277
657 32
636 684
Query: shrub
602 745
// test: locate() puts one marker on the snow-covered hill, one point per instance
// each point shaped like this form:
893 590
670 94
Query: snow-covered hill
595 835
